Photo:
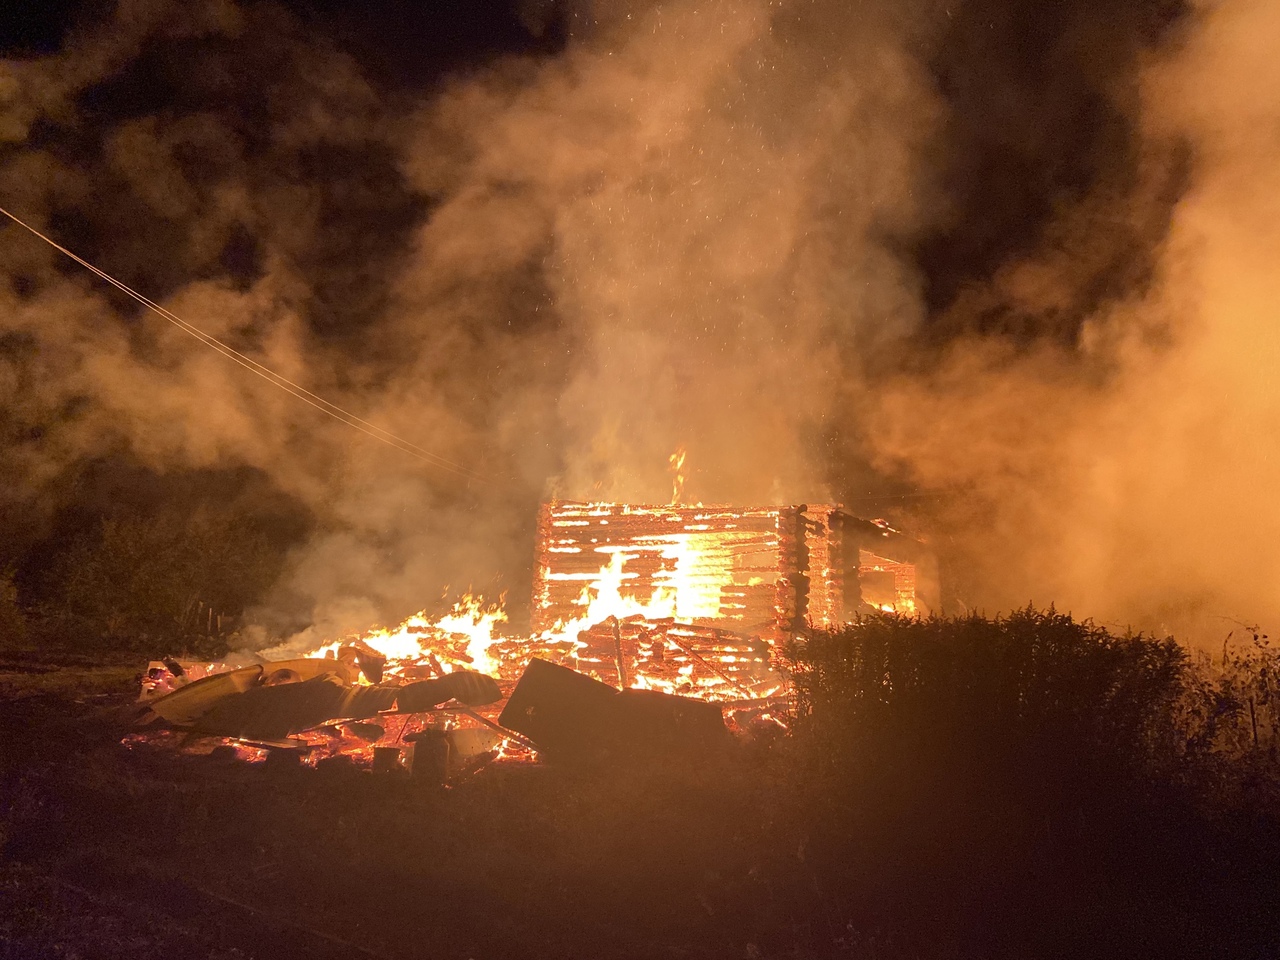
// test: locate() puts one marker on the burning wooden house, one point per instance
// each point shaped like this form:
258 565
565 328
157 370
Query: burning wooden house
767 570
665 592
648 600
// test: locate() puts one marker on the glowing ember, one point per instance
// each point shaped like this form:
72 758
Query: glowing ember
682 599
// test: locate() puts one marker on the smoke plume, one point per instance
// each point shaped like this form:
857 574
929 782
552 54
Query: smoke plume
1127 473
680 231
763 232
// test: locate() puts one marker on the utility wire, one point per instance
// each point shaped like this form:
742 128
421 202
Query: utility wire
253 366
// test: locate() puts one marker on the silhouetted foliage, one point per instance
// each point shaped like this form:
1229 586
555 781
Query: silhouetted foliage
165 576
1034 698
1035 786
1229 715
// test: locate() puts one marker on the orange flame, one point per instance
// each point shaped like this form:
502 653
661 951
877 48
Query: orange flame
677 474
469 625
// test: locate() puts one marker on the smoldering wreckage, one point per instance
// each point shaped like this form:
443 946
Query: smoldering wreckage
656 631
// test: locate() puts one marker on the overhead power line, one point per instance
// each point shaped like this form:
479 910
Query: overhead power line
266 373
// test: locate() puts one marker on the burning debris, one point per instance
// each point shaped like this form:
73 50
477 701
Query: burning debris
649 622
318 707
765 571
271 702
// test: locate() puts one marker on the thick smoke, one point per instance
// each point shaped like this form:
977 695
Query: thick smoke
699 225
704 196
1130 473
220 160
679 232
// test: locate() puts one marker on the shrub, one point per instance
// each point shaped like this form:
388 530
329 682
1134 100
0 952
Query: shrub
1232 708
152 576
1030 702
1230 713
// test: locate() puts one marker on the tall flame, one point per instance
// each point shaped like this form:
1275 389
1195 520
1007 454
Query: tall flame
603 598
677 474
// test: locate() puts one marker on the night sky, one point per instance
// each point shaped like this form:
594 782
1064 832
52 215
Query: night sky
477 225
1033 118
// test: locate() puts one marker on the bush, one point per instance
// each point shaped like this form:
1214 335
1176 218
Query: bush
1033 701
1034 786
1233 709
141 577
1230 713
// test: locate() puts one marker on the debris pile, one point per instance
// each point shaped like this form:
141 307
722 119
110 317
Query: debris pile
650 624
272 702
318 708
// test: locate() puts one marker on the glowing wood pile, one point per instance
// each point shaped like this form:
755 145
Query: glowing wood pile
757 571
676 658
651 600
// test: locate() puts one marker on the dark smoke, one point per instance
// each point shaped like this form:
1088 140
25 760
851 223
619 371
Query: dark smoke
1116 428
833 250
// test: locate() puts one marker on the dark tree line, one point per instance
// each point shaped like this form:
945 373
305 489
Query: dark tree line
134 579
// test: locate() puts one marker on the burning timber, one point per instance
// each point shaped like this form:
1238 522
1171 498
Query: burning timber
638 612
767 571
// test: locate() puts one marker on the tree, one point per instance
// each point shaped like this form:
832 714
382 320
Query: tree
149 576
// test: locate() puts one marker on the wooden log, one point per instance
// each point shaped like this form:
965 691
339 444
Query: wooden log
617 647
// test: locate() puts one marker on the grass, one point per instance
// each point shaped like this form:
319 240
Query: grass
30 670
953 813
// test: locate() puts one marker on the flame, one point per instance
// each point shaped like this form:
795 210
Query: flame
685 600
602 598
469 625
689 590
677 474
690 568
473 620
678 599
466 635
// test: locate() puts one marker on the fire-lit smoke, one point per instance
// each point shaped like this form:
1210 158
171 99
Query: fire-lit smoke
680 229
1131 474
696 226
707 194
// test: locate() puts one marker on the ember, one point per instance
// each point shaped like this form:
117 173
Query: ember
683 600
765 571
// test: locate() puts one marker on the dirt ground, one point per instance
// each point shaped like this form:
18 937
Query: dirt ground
115 852
138 852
